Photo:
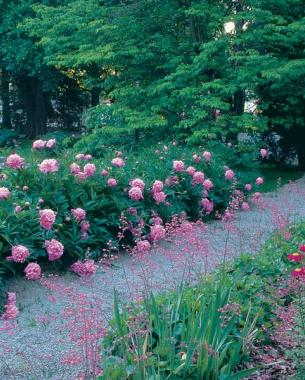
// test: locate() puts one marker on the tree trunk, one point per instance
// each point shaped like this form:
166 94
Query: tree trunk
34 101
299 144
5 98
239 102
95 96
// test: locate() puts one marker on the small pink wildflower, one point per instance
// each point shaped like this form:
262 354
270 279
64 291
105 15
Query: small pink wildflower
47 218
178 166
79 214
85 268
14 161
4 193
104 172
32 271
135 193
19 254
49 166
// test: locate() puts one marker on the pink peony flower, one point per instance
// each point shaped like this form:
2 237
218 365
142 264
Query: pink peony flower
88 157
47 218
190 170
49 166
157 232
207 156
168 182
198 178
229 174
207 205
157 186
178 166
14 161
32 271
196 158
89 169
137 182
259 181
159 196
104 172
11 310
256 196
85 226
51 143
118 162
80 156
4 193
54 249
74 168
85 268
135 193
248 187
208 184
19 254
17 208
79 214
112 182
143 246
81 176
39 144
245 206
263 152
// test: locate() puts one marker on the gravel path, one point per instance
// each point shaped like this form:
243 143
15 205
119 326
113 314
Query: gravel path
46 341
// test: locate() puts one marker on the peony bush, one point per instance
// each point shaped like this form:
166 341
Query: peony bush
74 208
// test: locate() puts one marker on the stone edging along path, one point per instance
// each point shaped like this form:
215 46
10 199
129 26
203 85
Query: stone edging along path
46 341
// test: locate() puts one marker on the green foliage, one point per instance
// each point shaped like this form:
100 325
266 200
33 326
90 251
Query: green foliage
6 137
167 336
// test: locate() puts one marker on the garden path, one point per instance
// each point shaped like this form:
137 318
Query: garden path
41 345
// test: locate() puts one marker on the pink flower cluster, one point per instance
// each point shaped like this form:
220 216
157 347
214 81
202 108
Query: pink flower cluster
158 195
229 175
135 193
4 193
84 268
143 246
112 182
82 156
14 161
88 171
41 144
207 205
32 271
54 249
47 218
157 232
11 310
19 254
198 178
49 166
